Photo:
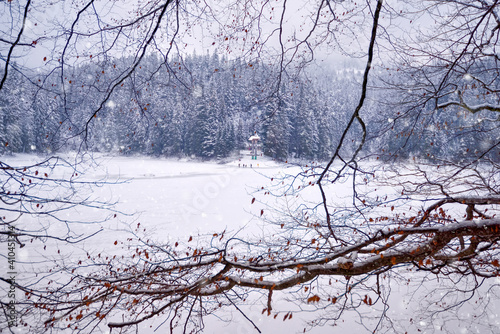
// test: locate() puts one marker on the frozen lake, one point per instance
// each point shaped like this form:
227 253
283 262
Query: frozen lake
173 199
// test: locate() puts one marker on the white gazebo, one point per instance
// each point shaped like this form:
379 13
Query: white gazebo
254 139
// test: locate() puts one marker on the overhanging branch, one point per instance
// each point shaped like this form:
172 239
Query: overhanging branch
471 109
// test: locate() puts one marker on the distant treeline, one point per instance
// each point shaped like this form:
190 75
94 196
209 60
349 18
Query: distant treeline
207 106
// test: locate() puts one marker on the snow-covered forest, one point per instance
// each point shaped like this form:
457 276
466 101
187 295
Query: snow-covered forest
211 107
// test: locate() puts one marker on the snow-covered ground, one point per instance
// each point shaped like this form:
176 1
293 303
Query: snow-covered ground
183 197
173 199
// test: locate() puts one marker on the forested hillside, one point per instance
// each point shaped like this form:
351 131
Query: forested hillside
207 106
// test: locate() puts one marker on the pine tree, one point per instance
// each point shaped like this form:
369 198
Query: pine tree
277 131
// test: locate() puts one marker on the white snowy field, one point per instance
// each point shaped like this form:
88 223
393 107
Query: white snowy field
174 199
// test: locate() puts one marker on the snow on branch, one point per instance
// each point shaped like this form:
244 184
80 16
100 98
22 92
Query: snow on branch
472 109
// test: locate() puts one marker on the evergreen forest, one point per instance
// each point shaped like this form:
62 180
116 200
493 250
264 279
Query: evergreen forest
207 106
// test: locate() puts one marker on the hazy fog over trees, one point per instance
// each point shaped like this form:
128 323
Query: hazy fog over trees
215 108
